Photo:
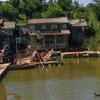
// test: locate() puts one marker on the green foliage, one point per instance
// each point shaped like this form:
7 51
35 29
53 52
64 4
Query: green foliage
97 1
53 11
1 10
22 18
65 4
9 12
93 23
36 15
50 2
15 3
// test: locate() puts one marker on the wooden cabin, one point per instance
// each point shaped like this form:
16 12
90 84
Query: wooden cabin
5 32
77 28
49 33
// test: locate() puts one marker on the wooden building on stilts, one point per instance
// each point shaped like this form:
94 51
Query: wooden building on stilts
49 33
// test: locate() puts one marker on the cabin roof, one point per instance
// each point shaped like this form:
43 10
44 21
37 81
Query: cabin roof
48 20
9 25
78 22
33 34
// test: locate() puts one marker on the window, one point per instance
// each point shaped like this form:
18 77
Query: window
54 26
49 39
59 26
32 27
43 27
37 27
64 26
60 39
48 27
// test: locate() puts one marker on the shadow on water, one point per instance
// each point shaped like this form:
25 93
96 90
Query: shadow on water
78 79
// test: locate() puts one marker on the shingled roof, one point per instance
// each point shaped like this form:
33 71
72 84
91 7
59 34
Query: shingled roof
9 25
48 20
78 22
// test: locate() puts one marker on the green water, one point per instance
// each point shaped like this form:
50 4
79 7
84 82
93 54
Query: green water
78 79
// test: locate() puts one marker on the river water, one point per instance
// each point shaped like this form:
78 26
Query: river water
78 79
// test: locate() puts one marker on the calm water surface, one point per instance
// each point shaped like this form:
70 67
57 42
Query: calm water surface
78 79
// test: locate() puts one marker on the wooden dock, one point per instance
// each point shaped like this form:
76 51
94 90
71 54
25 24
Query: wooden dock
80 54
3 69
34 65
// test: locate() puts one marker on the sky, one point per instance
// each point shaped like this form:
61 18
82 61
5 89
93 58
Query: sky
84 2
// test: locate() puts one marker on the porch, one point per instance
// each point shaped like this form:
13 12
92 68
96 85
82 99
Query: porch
58 41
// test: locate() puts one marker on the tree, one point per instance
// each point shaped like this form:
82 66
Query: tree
50 2
9 12
53 11
1 10
65 4
15 3
76 4
22 18
97 1
28 7
96 9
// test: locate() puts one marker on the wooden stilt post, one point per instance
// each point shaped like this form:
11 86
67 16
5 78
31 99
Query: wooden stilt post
43 41
67 40
55 41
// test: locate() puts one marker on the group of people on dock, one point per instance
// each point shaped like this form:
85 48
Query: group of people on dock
75 54
38 56
44 55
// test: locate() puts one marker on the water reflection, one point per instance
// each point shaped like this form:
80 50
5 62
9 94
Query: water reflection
78 79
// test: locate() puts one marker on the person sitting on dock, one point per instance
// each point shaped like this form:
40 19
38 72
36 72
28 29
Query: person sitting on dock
74 54
77 54
35 59
42 55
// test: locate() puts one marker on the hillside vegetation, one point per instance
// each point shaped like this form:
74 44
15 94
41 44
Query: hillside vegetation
20 10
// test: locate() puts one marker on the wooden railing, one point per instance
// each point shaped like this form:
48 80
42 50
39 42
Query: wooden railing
50 46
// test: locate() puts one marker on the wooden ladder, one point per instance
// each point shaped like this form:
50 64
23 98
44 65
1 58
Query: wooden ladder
34 53
49 54
0 59
2 53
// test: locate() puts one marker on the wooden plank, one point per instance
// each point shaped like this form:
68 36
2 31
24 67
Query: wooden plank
4 65
81 52
3 69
